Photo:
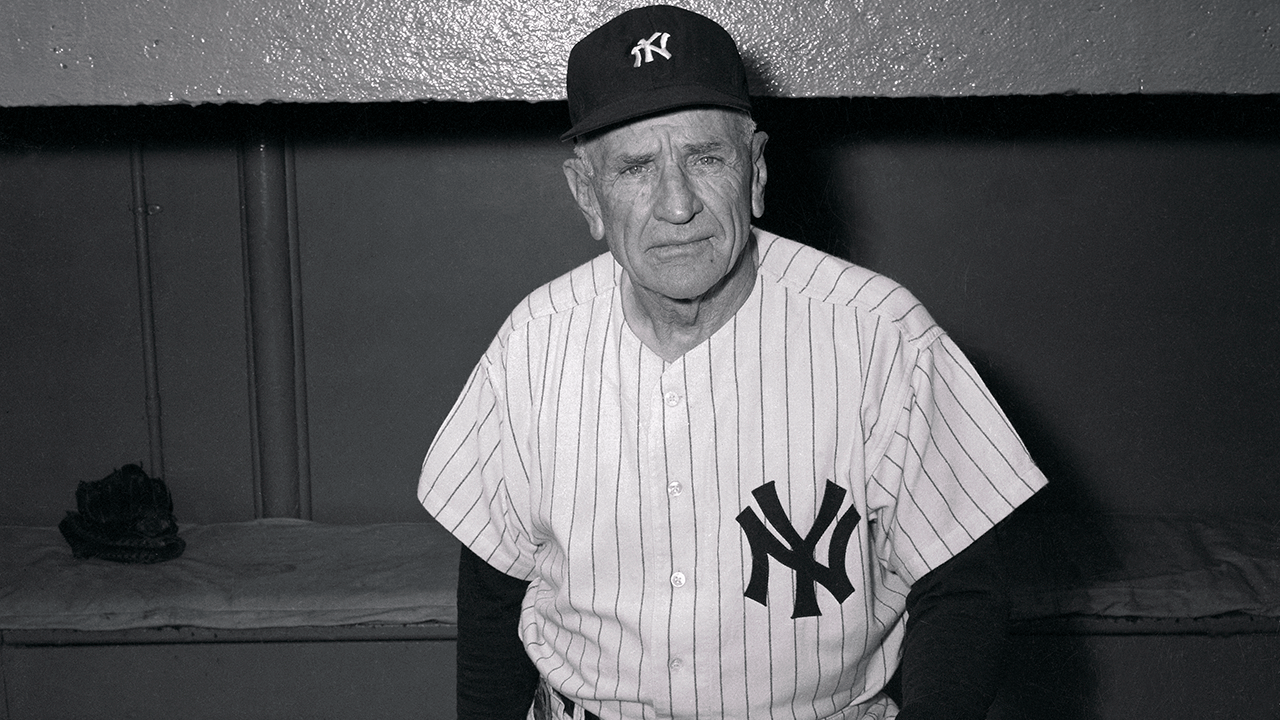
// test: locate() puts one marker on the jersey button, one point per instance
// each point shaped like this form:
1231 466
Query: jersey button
677 580
673 399
676 664
674 488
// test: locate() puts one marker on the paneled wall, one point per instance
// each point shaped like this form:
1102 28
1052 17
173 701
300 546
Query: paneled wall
1110 264
74 391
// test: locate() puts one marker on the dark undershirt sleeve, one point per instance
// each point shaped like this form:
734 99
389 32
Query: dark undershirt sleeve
956 640
496 678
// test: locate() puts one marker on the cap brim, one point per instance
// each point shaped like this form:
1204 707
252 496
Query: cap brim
654 102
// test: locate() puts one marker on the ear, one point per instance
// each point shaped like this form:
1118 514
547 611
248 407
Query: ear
578 175
759 173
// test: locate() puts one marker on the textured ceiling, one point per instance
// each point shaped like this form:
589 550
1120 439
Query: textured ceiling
75 52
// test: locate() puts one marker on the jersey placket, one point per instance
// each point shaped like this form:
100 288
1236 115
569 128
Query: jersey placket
674 491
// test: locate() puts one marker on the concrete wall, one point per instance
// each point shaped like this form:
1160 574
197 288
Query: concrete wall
121 52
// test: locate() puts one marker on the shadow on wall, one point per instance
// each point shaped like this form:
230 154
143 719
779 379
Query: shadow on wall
809 199
1110 267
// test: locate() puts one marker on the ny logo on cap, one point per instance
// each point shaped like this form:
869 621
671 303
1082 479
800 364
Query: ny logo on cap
647 47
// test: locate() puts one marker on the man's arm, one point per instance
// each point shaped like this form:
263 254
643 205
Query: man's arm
496 679
957 636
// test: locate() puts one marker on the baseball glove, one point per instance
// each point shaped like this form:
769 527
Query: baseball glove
125 517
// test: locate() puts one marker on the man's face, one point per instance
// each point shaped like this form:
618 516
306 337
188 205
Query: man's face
673 196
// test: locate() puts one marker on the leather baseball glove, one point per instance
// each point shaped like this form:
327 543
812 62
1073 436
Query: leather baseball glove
125 517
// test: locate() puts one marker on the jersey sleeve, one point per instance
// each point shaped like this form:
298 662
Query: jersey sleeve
952 465
469 483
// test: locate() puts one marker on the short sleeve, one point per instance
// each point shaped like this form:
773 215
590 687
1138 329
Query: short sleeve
471 484
953 466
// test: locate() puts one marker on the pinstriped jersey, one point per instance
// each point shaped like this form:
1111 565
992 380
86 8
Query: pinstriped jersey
732 534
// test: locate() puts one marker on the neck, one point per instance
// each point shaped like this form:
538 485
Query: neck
671 327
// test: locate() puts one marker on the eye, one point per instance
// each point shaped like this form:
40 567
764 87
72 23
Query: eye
634 167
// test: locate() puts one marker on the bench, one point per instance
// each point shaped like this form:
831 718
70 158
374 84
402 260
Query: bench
289 618
269 618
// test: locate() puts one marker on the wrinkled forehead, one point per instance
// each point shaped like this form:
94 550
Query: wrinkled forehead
698 128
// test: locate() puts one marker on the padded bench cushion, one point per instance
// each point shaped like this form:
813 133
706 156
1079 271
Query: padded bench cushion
1143 566
293 573
260 574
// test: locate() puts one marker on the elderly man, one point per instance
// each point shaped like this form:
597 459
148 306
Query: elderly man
715 473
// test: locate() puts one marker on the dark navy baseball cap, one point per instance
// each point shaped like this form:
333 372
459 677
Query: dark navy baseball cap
652 60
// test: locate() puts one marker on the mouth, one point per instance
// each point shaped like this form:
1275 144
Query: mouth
679 244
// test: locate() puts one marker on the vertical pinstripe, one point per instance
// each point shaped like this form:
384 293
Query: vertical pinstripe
580 460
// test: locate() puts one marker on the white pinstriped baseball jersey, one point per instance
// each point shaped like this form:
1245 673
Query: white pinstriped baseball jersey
732 534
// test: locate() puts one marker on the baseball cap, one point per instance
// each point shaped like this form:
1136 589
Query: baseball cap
650 60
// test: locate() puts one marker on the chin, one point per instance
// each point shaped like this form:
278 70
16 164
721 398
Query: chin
689 290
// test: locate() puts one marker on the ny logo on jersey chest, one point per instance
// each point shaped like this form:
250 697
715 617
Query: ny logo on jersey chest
796 552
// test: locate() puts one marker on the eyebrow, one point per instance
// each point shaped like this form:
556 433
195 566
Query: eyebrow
704 147
629 160
692 149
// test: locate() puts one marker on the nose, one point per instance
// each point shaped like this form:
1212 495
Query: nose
676 201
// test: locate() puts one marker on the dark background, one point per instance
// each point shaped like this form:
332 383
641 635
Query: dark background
1110 264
